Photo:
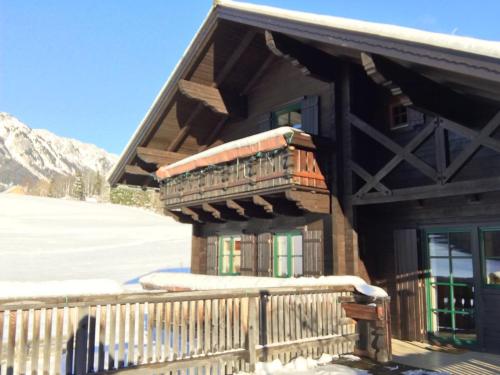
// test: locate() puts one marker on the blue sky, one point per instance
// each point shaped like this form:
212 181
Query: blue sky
91 69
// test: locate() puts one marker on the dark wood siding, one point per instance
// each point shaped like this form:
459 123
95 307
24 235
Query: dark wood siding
409 301
248 255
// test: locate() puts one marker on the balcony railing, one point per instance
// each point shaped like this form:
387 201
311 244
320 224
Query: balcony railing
294 167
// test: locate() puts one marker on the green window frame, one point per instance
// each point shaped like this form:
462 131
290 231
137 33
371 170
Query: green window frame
450 282
291 256
230 255
485 258
285 115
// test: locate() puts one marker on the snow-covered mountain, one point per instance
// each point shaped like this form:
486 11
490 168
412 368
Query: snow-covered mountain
29 155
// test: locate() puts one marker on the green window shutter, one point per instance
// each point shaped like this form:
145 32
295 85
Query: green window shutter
310 114
264 254
248 255
212 255
313 252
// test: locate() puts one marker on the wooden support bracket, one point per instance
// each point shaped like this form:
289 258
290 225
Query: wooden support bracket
259 201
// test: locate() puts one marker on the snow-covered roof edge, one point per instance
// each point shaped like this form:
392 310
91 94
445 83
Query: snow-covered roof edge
407 34
458 43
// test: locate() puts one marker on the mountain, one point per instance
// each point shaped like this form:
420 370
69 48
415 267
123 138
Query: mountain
28 156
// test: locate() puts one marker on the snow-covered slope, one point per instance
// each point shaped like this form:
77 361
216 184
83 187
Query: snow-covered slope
28 155
47 239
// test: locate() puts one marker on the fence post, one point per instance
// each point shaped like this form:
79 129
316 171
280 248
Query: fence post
252 332
383 331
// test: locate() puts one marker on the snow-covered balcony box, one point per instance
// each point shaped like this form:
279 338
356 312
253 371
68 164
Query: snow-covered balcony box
275 162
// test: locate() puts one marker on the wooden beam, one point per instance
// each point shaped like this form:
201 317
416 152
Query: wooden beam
377 77
427 94
311 61
361 172
179 216
238 208
471 148
183 132
208 96
259 201
226 69
211 137
260 72
308 201
136 170
159 157
212 210
401 153
189 212
469 133
479 186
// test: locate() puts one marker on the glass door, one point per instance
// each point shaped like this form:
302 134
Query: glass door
450 286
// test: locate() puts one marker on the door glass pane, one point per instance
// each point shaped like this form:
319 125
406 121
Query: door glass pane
442 297
283 266
444 321
464 297
462 269
465 323
297 266
282 246
491 241
440 267
297 245
438 244
491 245
225 264
236 254
492 269
460 244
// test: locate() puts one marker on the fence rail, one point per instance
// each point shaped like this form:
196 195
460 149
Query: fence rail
151 332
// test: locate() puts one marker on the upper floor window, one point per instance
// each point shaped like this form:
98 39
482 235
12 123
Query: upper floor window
229 255
291 115
398 116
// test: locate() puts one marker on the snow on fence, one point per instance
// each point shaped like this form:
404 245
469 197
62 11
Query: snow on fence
199 332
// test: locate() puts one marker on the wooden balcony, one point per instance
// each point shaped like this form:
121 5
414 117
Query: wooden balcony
292 174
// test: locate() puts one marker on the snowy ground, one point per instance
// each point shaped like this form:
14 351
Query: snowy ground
52 239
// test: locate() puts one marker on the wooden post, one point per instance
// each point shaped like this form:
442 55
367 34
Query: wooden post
252 332
198 251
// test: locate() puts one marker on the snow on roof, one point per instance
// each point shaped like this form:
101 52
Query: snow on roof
64 288
210 282
270 140
455 42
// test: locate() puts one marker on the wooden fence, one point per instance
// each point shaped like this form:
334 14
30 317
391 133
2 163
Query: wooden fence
150 332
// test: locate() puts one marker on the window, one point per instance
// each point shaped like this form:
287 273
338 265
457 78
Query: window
490 241
288 254
398 116
291 116
230 255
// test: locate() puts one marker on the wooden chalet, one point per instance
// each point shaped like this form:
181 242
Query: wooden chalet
394 175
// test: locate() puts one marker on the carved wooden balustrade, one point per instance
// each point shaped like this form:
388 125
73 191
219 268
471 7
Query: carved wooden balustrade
296 167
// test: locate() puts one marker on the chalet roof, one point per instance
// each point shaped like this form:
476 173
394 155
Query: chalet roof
461 55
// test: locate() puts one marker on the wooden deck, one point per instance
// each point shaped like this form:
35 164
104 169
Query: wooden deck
429 357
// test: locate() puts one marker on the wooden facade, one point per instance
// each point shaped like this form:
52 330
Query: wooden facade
400 184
